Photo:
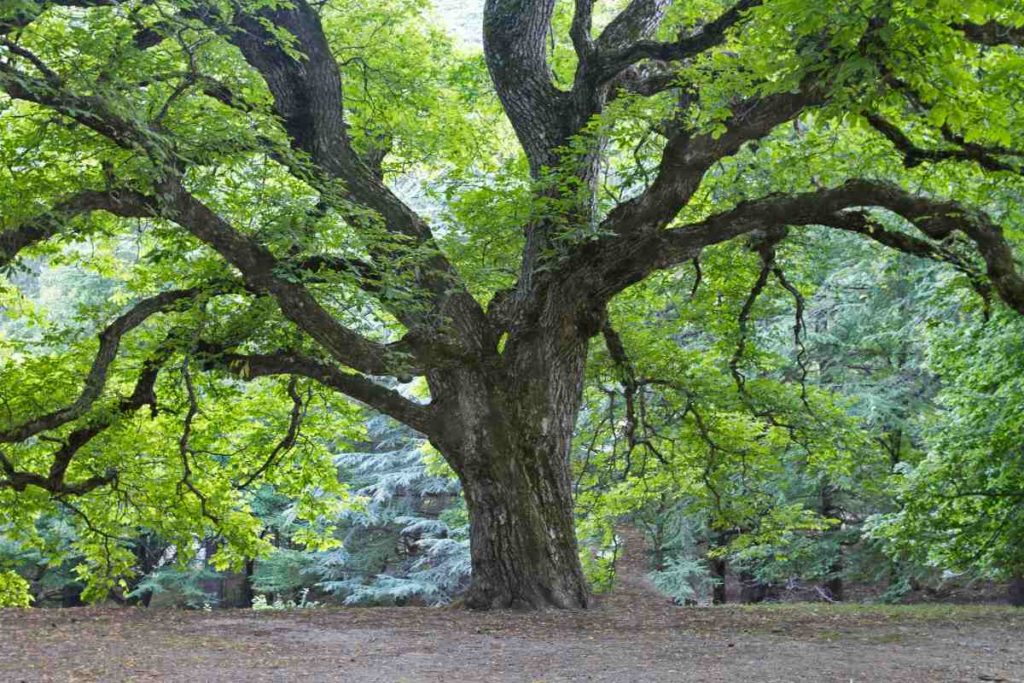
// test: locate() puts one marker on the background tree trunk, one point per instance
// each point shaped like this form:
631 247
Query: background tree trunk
752 591
719 567
1017 590
830 509
247 593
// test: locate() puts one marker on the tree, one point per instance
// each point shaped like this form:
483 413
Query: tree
962 504
271 232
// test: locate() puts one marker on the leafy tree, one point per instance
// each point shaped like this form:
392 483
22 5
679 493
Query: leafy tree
262 262
963 504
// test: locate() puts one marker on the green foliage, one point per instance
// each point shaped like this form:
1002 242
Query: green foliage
683 579
14 590
892 402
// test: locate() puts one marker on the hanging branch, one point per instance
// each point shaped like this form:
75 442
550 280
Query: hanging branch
799 330
298 412
743 321
763 242
635 395
184 450
698 276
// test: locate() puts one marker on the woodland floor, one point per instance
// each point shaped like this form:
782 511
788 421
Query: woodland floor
632 635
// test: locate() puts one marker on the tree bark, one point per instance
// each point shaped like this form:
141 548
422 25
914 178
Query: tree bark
523 542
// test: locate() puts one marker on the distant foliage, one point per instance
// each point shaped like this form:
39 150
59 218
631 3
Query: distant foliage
684 580
184 587
407 538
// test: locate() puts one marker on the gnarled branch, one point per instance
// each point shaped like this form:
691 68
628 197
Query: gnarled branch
936 219
636 238
54 481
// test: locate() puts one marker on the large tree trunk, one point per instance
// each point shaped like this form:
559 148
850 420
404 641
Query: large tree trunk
509 436
523 541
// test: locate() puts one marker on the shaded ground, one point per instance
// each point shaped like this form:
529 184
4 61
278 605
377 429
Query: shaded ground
632 635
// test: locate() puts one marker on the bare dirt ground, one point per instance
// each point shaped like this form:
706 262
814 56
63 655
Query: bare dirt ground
631 635
610 643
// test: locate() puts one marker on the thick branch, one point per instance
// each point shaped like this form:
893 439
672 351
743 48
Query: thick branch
635 229
914 155
91 111
993 33
638 21
124 203
19 481
260 268
514 45
579 31
96 380
307 94
255 262
937 219
711 35
358 387
686 159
